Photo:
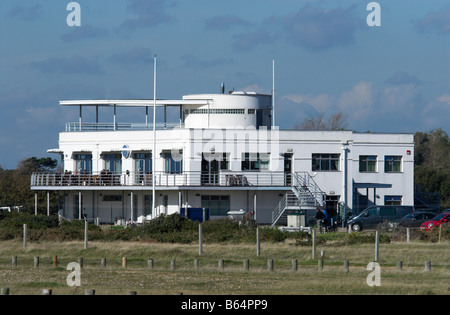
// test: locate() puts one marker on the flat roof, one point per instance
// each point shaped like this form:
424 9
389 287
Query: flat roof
133 103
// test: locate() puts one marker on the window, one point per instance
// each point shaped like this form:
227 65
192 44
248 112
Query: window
392 200
143 163
113 162
387 211
216 111
372 212
392 164
367 163
148 204
83 163
218 205
255 161
252 111
173 164
112 198
325 162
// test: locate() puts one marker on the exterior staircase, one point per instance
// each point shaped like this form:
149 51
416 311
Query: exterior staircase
305 195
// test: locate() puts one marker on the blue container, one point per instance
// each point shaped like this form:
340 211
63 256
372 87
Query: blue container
195 214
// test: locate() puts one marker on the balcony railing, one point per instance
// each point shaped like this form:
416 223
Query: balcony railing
89 127
222 178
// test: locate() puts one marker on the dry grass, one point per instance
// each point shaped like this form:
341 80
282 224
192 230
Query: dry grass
209 279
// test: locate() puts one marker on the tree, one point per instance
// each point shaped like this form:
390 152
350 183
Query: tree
34 164
337 121
432 163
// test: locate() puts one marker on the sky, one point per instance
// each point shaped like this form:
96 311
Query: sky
389 78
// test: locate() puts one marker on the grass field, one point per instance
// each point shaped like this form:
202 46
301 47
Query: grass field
209 279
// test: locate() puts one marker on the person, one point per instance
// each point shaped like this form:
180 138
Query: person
319 217
326 222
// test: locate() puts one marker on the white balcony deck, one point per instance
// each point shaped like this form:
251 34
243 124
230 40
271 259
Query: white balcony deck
163 181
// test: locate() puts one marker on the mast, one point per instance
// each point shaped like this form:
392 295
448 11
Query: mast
154 138
273 94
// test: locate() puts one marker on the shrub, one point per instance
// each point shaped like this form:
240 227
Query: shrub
358 238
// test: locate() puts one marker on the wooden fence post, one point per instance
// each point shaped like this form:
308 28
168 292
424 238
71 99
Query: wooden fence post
246 264
200 239
377 246
346 266
24 235
294 265
270 264
320 264
313 238
428 266
85 234
258 244
36 261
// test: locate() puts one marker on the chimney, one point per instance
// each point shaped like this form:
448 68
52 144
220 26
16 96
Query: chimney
222 88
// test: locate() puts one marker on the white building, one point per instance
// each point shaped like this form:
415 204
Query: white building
222 154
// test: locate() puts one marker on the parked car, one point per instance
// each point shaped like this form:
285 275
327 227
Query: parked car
375 215
442 218
415 219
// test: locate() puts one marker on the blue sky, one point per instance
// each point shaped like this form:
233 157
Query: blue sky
391 78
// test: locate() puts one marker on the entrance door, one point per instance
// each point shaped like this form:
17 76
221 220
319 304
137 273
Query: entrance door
210 171
288 169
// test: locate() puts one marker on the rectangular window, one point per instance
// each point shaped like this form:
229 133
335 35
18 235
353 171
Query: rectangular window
255 161
112 198
113 162
83 163
218 205
325 162
387 211
148 204
252 111
393 200
392 164
173 164
143 163
367 163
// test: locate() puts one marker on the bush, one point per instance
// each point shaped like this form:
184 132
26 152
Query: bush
358 238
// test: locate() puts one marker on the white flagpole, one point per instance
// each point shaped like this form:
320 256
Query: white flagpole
154 139
273 94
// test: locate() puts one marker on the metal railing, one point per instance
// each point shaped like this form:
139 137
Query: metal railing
221 178
89 127
306 193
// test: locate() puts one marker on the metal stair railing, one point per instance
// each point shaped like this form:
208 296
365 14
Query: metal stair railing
306 193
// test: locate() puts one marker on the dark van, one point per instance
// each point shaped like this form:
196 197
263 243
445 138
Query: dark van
374 215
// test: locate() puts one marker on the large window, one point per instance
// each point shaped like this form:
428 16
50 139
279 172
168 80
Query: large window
218 205
325 162
83 163
255 161
367 163
148 204
173 164
113 162
143 163
392 164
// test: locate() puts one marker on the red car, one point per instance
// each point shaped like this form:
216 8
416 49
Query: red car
436 221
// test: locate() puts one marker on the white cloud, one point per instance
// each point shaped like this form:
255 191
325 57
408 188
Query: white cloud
359 102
